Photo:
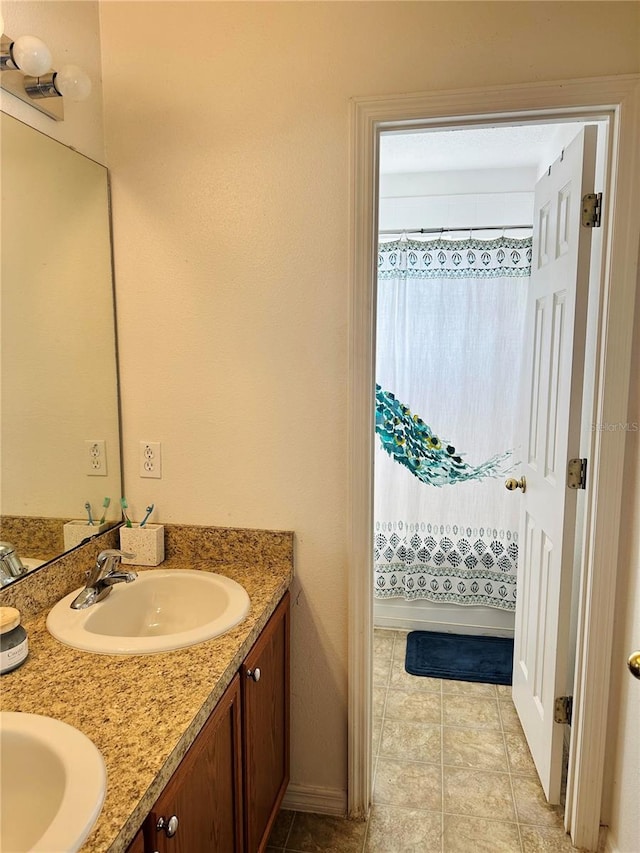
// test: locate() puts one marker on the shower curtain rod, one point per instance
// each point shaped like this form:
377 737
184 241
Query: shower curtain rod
447 230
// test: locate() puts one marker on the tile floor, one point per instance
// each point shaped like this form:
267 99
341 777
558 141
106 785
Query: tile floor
452 774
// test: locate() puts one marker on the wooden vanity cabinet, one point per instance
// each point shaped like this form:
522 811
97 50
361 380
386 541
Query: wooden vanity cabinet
205 793
227 791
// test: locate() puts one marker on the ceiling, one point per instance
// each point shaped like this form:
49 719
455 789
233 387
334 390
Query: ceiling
504 147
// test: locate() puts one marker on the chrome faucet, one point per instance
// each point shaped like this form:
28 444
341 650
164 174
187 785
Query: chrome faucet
11 566
102 577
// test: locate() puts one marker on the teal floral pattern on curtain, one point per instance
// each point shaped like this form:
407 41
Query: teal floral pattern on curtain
412 443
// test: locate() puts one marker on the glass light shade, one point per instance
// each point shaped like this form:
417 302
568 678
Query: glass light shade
31 55
72 82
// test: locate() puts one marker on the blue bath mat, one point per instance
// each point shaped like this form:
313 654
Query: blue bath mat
462 657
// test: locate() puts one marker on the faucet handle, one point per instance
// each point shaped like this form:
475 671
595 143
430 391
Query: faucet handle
114 554
108 561
12 566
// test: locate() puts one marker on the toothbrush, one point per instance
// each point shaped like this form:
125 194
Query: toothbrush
105 505
124 505
87 506
149 510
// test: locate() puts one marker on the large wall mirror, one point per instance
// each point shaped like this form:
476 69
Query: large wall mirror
59 421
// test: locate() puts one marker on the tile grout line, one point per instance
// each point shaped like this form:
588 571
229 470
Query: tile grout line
383 716
379 743
376 756
513 792
286 841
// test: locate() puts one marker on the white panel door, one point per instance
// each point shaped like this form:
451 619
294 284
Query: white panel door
554 363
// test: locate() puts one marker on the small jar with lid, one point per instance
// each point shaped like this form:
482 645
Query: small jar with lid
14 645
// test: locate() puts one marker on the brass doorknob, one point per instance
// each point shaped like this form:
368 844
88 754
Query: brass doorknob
634 664
512 484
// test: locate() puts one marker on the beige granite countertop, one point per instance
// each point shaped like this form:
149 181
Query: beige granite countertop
143 712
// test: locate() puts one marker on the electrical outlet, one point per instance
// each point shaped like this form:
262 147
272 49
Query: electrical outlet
150 459
95 455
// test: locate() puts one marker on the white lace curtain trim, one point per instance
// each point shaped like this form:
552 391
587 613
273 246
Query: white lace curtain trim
504 256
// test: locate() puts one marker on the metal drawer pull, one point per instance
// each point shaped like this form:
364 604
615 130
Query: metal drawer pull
634 664
170 826
254 673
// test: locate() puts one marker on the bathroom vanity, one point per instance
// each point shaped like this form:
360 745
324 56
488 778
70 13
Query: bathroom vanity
193 733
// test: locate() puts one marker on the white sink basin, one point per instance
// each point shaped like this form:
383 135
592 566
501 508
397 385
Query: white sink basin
163 609
53 782
32 562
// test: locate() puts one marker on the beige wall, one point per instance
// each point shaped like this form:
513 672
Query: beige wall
230 184
71 30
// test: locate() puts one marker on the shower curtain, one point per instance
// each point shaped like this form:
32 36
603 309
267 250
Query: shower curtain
450 332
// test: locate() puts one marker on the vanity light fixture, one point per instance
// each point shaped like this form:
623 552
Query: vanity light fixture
26 72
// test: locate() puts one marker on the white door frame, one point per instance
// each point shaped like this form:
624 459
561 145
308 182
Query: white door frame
617 98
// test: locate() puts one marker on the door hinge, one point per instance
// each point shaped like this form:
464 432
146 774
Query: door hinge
563 709
592 210
577 474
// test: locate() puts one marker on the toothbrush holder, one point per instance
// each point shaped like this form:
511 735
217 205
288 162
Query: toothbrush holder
75 532
147 543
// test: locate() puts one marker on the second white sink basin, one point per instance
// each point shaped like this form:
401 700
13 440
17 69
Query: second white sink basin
32 562
162 610
53 784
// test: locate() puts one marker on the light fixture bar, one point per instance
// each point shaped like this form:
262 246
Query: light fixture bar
15 83
41 87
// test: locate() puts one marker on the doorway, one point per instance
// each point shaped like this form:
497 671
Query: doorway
453 321
514 105
449 345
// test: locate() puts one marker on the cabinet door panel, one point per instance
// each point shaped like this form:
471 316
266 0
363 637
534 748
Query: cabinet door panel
265 722
137 845
205 792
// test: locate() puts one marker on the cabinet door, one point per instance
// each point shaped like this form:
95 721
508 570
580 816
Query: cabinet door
265 726
205 792
137 845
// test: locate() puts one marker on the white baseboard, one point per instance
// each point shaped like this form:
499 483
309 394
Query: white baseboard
448 628
308 798
425 616
408 621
